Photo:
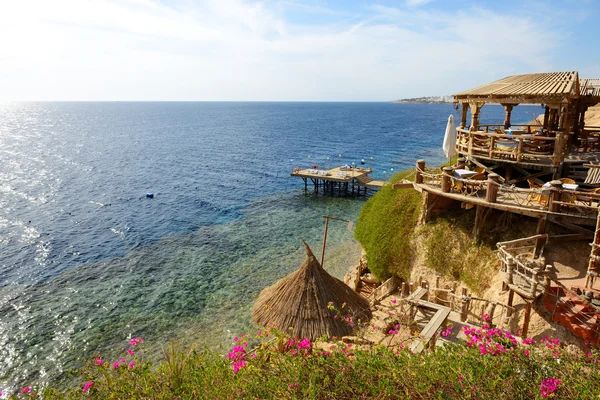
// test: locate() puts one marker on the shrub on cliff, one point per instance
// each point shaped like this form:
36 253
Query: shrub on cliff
385 226
489 364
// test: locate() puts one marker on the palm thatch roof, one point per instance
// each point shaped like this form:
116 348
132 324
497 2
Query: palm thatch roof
528 88
300 302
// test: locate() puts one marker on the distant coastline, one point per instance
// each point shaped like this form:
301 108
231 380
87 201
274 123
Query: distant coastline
426 100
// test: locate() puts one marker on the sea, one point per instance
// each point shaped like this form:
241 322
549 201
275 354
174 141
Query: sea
88 261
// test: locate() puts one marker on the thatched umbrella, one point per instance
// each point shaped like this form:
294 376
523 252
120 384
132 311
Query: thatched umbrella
300 302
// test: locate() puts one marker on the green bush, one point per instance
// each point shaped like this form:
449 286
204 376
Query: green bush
385 226
491 364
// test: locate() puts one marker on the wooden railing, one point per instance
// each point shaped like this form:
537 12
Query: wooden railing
528 128
552 199
542 150
524 272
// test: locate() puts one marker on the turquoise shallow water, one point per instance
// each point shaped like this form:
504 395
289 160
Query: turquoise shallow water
86 261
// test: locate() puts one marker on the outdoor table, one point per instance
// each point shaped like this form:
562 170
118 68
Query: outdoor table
568 186
464 173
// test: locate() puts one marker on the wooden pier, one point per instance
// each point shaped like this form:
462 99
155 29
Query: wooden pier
338 181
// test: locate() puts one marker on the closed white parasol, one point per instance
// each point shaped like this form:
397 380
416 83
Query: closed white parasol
450 138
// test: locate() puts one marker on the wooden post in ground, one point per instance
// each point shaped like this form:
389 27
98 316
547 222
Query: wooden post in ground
493 183
461 162
464 306
437 292
509 303
478 221
547 279
555 189
425 285
534 282
540 242
546 115
595 252
510 267
419 167
446 179
527 318
491 311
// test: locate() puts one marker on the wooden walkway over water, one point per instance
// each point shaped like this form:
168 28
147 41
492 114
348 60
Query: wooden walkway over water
338 180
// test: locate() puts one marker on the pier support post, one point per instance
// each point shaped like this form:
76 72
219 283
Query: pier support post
419 167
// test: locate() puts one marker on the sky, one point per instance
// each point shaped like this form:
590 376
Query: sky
284 50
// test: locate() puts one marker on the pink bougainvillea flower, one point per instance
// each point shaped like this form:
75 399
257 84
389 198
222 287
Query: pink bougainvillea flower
26 389
98 362
393 301
238 365
116 365
131 364
87 386
136 341
130 352
549 386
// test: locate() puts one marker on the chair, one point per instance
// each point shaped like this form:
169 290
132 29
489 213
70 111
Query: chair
589 200
568 180
536 196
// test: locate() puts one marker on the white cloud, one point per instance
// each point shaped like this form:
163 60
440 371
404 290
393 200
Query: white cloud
238 50
414 3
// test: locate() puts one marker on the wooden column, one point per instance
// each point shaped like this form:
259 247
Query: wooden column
446 179
508 109
463 120
475 109
461 162
419 167
546 117
492 187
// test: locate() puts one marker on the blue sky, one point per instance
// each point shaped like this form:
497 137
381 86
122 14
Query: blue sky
284 50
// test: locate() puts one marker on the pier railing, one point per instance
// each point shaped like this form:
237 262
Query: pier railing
521 148
551 198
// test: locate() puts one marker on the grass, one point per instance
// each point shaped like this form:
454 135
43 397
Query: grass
385 222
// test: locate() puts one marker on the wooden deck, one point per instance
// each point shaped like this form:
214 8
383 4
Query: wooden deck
339 179
519 202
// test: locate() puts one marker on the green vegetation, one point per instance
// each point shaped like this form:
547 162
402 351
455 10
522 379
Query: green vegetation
450 250
385 226
492 364
388 230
